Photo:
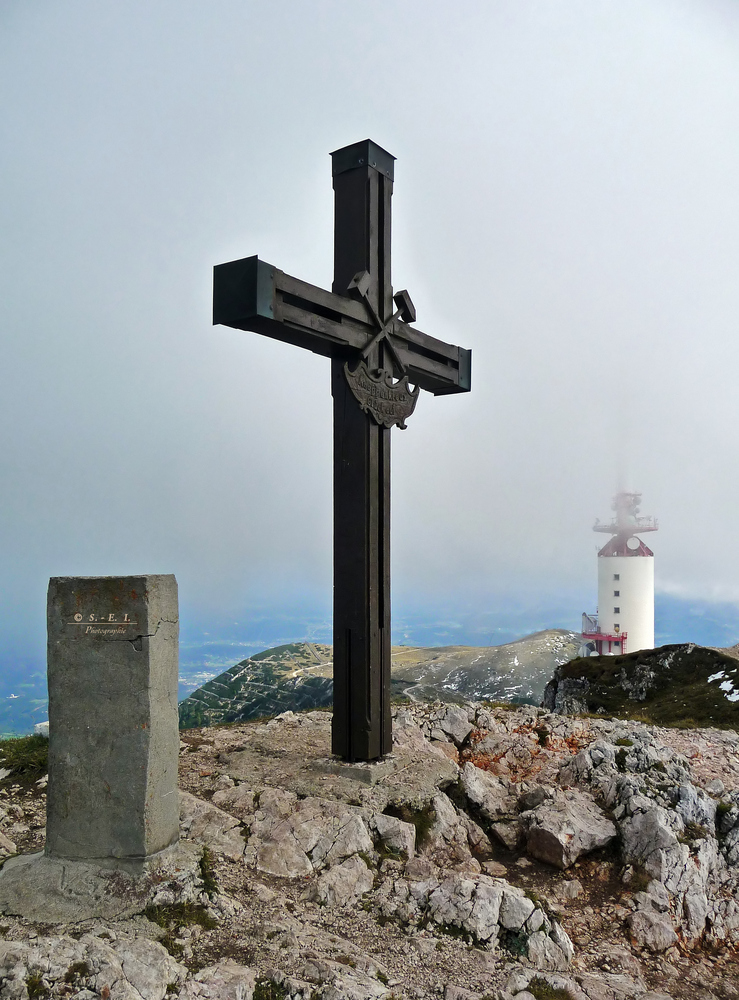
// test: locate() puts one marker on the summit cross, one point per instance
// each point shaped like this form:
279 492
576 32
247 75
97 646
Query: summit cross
376 354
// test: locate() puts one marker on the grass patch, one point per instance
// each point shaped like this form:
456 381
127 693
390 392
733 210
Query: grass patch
208 874
37 988
624 742
692 833
386 854
542 990
77 971
514 942
266 989
27 757
172 918
422 819
451 930
640 879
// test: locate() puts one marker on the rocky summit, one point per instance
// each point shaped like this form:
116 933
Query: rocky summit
498 852
684 685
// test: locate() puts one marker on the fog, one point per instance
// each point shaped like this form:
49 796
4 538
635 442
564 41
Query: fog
565 204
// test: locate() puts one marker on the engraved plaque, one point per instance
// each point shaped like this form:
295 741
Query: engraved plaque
387 401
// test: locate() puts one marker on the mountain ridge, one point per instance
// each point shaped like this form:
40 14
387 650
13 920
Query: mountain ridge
298 677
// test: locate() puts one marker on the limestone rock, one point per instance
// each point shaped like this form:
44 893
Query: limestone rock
207 824
130 968
7 846
570 889
455 723
487 793
395 834
226 980
650 930
147 966
571 824
534 797
343 884
695 806
237 800
471 906
291 836
486 909
645 834
515 910
447 838
457 993
509 834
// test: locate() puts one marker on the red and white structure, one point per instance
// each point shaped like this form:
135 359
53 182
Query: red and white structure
624 621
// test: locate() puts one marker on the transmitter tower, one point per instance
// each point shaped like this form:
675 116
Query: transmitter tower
624 621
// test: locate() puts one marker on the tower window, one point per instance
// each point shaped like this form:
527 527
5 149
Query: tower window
616 593
617 611
616 576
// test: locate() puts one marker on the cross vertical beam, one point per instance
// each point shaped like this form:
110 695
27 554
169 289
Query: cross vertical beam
362 724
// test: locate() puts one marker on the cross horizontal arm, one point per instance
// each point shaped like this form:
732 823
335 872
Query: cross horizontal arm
250 294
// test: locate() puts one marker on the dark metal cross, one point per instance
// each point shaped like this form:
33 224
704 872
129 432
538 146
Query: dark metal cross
375 355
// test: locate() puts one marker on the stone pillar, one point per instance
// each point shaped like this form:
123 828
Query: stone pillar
113 728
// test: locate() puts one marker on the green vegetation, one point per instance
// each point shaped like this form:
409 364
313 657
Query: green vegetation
537 900
76 971
27 757
207 873
667 686
37 988
172 918
514 942
451 930
542 990
265 989
422 819
692 833
623 742
640 879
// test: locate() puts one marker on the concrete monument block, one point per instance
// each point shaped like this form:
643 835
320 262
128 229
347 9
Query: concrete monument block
113 740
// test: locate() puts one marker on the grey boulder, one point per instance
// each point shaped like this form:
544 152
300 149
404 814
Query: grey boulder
567 826
651 930
488 794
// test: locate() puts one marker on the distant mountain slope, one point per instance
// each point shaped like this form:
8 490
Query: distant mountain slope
298 676
677 685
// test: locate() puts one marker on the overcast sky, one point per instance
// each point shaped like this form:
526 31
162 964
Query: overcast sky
566 204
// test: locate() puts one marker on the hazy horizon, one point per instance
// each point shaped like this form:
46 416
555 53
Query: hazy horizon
565 204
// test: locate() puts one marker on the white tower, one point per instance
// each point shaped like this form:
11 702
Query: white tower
625 618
